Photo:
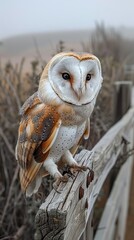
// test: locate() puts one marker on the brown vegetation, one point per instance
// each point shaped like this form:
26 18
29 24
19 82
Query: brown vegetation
17 213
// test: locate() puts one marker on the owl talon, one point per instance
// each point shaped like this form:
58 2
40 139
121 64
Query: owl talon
56 184
69 173
38 196
55 187
76 168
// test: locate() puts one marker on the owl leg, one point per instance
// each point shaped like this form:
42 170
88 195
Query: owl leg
68 158
73 165
52 169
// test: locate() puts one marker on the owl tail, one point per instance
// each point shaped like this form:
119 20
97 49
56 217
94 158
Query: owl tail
30 179
33 186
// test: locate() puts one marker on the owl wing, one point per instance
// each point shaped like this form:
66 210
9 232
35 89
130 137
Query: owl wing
87 129
29 104
37 132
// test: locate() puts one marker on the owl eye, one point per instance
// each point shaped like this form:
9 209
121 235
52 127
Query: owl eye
88 77
66 76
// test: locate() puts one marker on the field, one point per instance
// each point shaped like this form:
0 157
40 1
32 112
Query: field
19 76
42 46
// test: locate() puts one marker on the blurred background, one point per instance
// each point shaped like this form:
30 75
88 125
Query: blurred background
31 32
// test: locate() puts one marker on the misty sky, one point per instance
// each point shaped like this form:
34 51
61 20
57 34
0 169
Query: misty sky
24 16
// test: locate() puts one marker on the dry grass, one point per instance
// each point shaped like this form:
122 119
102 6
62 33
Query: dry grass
17 213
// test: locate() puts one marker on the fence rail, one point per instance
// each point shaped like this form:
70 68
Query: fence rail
113 221
68 215
65 216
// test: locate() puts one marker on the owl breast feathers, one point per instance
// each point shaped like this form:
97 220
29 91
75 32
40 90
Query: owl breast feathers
56 117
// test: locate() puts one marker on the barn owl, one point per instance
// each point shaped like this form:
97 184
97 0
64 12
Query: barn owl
56 117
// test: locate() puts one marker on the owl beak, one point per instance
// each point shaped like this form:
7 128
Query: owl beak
79 92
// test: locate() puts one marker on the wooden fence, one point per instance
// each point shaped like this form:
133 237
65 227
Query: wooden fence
68 216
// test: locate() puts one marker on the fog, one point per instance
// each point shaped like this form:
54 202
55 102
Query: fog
19 17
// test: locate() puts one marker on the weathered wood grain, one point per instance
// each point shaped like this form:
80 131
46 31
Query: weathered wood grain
116 207
64 216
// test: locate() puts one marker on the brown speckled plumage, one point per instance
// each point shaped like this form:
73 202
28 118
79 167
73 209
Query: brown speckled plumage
56 117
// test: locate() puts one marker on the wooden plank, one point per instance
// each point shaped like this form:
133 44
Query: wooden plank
124 205
130 218
132 98
64 216
116 205
117 230
89 227
125 197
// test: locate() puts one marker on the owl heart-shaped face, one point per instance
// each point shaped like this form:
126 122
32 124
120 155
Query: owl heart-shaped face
75 78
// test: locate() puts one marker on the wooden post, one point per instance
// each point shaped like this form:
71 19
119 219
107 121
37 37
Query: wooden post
122 98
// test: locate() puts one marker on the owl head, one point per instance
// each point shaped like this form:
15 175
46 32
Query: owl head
74 78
